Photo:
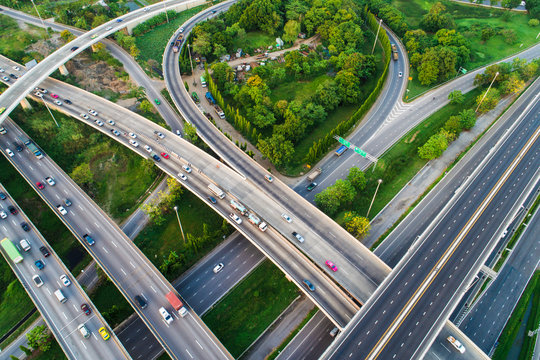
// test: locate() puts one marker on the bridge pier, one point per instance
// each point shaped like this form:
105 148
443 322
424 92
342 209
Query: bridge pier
26 104
63 70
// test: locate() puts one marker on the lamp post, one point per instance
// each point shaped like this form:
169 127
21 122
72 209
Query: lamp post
376 36
372 200
50 112
180 223
191 64
492 81
42 22
165 8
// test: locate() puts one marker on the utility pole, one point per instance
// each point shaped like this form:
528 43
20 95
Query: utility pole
50 112
191 63
492 81
376 36
42 22
165 8
373 200
180 223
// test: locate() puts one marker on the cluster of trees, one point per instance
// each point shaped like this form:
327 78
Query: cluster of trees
342 193
154 21
127 42
164 202
39 338
390 15
533 6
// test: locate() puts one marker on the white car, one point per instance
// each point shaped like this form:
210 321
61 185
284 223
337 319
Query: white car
84 116
65 280
3 214
459 346
186 168
111 122
148 148
38 94
108 28
1 70
235 218
58 102
160 135
5 78
165 315
99 122
133 135
286 217
61 209
93 112
400 74
16 68
115 132
218 268
182 176
178 133
181 30
25 245
134 143
37 280
50 181
9 152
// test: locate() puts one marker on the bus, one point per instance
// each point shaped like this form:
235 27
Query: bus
203 81
11 250
217 191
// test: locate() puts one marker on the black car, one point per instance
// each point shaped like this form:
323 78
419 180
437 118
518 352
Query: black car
140 301
18 147
68 101
3 196
89 239
312 186
13 76
74 48
157 158
44 251
25 226
12 210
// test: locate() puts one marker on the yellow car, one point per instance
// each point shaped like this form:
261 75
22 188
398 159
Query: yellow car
104 334
2 110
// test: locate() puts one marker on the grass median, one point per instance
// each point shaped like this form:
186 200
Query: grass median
250 307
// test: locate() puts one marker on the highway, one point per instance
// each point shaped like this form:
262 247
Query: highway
412 304
63 319
125 265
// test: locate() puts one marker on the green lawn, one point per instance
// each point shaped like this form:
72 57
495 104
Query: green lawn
241 316
14 301
152 44
15 40
297 90
254 40
111 303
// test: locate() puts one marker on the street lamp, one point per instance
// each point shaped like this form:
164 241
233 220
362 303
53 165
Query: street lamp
372 200
492 81
376 36
42 22
165 8
50 112
179 223
191 64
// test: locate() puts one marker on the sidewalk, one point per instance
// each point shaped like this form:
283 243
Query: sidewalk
429 174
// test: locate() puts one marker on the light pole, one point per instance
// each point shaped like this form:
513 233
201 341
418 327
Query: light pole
180 223
492 81
50 112
165 8
42 22
372 200
376 36
191 64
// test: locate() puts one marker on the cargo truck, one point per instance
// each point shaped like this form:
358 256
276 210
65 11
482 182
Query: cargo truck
177 44
176 304
394 51
257 222
219 112
239 207
314 174
341 150
32 147
217 191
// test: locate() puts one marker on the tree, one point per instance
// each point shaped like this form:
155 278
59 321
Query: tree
202 44
134 51
453 124
456 97
333 197
99 20
348 86
277 149
146 106
67 35
327 95
190 133
533 22
327 202
436 19
154 211
467 119
357 226
513 85
487 33
82 174
434 147
490 101
222 73
510 4
357 178
39 338
291 31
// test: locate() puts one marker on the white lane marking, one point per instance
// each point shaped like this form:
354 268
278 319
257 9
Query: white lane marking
123 271
199 344
151 287
103 247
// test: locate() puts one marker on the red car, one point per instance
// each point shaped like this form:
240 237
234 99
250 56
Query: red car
40 185
86 309
331 265
165 155
54 96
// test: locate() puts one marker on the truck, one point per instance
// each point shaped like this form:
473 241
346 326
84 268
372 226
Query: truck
32 147
219 112
314 174
257 222
217 191
177 44
239 207
394 52
210 98
195 97
11 250
176 304
341 150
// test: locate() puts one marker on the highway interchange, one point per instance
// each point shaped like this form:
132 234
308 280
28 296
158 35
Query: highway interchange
245 170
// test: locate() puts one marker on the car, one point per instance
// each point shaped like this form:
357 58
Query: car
67 101
235 218
504 233
74 48
268 178
3 214
186 168
16 68
93 112
165 315
218 268
145 9
54 96
89 239
400 74
212 199
84 330
3 196
98 122
331 265
64 279
115 132
182 176
86 309
41 90
298 236
311 186
1 70
157 158
119 20
5 78
141 301
9 152
178 133
165 155
25 245
13 76
108 28
133 135
61 209
309 285
44 251
37 280
111 122
181 30
58 102
40 185
334 332
214 11
12 210
157 101
50 181
39 264
84 116
286 217
134 143
160 135
67 202
148 148
456 343
38 94
18 147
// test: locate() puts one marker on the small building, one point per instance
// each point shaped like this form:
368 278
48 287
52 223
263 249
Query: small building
301 35
225 58
279 42
239 53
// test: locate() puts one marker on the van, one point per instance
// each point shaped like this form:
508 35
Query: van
140 301
25 245
84 330
60 296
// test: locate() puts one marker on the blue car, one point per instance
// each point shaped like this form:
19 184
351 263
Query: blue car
39 264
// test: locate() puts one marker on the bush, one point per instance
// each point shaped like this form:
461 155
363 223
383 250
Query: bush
533 22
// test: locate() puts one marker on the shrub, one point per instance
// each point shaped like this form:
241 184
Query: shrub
533 22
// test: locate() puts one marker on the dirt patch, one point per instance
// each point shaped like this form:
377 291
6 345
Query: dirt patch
47 46
96 76
412 138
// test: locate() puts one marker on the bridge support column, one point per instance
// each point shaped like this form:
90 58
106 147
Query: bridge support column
25 104
63 70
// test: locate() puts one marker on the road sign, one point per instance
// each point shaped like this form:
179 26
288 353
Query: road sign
344 142
360 151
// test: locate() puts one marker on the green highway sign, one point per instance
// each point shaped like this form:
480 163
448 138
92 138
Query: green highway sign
344 142
360 151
